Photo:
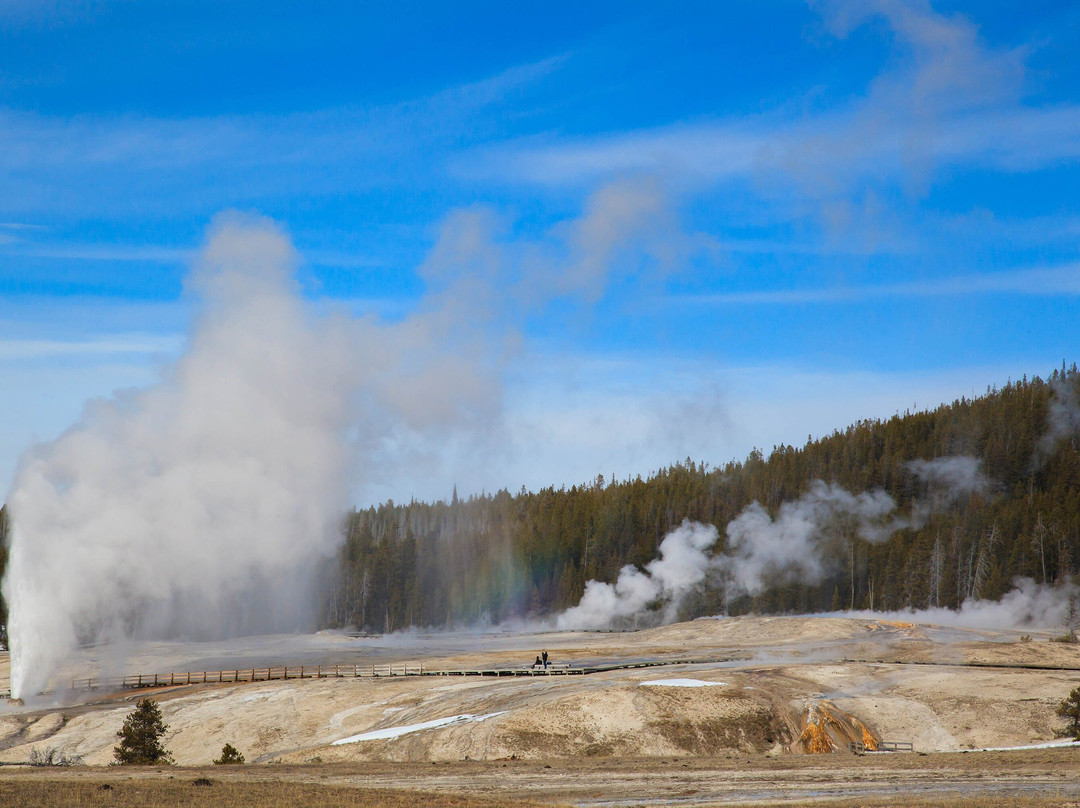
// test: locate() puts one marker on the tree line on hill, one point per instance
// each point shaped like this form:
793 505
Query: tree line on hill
502 556
495 557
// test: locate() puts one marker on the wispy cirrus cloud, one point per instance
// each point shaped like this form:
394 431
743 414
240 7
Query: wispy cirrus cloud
1039 281
147 164
946 100
772 148
103 252
147 344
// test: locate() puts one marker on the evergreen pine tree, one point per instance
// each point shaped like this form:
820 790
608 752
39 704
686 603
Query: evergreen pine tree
140 737
1070 708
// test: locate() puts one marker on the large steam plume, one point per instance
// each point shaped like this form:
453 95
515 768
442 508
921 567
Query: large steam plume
802 543
763 551
679 569
198 506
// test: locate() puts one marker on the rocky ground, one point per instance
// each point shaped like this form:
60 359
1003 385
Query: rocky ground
735 686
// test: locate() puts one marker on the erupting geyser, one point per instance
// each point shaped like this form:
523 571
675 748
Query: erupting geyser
200 506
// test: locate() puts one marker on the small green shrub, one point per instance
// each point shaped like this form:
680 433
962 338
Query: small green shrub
229 755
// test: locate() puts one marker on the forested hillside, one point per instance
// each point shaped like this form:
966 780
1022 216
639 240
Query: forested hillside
503 555
528 554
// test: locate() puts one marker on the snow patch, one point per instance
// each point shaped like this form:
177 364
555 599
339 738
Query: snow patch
1046 745
680 683
396 732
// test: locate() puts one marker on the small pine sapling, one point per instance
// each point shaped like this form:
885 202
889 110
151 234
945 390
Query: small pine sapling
229 755
1070 708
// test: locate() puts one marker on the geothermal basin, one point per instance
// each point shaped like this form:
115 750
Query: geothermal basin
718 686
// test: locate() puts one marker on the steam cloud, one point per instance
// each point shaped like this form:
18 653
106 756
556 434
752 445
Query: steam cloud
1028 604
1062 418
762 550
952 477
800 544
679 569
200 507
197 507
948 479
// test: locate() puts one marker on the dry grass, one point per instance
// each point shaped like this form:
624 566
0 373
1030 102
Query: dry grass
956 802
1029 779
163 792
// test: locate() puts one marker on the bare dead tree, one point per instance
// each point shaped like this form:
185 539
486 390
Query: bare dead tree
982 564
1038 543
937 572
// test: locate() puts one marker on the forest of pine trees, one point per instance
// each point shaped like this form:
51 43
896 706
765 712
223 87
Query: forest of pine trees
503 555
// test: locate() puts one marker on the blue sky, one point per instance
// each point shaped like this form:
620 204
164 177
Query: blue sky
760 220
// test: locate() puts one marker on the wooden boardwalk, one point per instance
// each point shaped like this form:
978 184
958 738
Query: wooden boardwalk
241 675
270 674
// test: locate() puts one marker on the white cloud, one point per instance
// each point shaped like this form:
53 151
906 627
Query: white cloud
1041 281
103 252
947 99
147 164
148 344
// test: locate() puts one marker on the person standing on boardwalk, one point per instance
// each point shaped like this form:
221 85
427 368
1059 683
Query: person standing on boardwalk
544 657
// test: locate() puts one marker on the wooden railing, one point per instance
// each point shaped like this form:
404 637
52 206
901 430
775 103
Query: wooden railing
242 675
896 746
248 675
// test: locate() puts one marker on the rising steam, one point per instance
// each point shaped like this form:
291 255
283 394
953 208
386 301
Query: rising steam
201 506
197 507
678 570
760 551
1028 604
763 551
1062 418
801 543
951 478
